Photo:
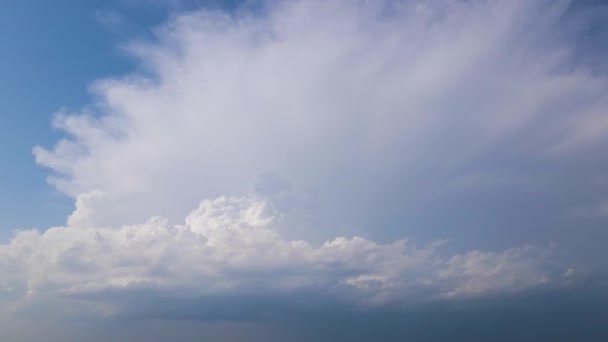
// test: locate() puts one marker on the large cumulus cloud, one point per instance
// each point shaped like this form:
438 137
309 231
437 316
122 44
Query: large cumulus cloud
343 115
350 99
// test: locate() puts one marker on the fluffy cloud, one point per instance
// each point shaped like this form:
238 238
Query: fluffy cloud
231 248
366 107
420 96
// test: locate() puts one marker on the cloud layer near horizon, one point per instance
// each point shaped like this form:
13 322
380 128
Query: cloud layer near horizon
231 247
338 113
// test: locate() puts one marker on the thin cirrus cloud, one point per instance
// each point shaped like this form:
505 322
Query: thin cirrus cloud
291 123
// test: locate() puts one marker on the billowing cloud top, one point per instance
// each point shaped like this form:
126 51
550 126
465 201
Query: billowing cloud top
301 122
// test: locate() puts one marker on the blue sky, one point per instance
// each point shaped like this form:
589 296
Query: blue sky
51 51
196 161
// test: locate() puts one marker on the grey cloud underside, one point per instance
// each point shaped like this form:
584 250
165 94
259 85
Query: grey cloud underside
481 122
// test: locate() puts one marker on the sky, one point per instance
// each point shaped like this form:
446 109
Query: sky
304 170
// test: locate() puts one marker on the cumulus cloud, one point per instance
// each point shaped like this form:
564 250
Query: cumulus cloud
342 114
231 248
405 94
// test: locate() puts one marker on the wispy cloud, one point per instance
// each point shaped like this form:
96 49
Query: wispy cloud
360 109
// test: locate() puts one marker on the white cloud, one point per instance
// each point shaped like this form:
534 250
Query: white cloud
351 102
399 92
231 247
